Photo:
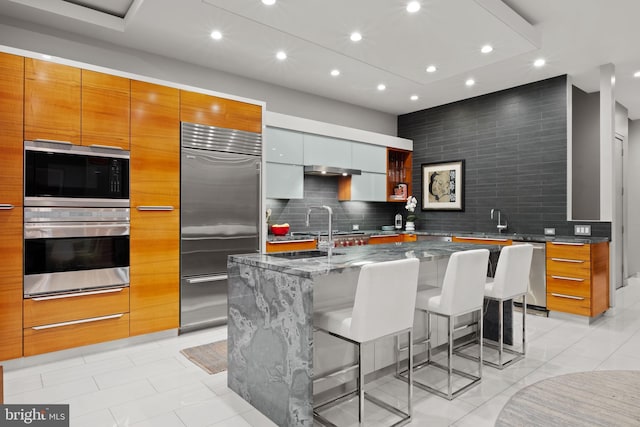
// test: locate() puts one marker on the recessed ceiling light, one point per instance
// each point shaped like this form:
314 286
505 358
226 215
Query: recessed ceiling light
356 36
414 97
216 35
636 74
269 2
46 56
281 55
413 6
335 73
431 69
539 62
470 82
487 48
381 87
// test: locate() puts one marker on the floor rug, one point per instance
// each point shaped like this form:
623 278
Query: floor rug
210 357
597 398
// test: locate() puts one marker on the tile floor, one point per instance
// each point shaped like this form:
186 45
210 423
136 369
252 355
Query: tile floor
152 384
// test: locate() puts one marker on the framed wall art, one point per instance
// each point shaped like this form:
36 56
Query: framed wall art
443 186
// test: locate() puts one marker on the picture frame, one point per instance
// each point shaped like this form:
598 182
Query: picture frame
443 186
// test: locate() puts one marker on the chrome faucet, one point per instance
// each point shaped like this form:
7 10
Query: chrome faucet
501 227
330 231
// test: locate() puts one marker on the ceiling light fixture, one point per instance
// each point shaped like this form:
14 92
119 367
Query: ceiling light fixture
281 55
636 74
356 36
216 35
46 56
487 48
269 2
431 69
470 82
381 87
414 97
539 62
413 6
335 72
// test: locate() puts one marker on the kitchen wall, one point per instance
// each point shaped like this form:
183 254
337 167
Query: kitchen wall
514 143
22 35
320 190
632 190
586 155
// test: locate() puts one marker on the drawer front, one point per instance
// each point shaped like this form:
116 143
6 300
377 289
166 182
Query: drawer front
569 267
67 307
409 238
557 301
576 251
481 240
376 240
569 285
61 336
285 246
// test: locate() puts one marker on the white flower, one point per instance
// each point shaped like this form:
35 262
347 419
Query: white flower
412 202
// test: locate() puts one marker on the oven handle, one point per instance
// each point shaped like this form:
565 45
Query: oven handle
79 294
77 322
6 206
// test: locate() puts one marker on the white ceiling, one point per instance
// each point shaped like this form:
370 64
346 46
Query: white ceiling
574 36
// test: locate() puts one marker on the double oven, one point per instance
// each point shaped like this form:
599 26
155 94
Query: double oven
76 219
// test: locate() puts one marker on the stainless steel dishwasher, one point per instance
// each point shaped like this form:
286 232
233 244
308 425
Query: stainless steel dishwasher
537 296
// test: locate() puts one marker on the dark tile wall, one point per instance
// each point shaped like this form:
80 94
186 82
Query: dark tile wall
514 143
319 190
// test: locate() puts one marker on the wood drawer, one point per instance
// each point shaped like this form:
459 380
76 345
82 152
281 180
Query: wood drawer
481 240
409 238
568 267
556 301
569 286
67 307
376 240
291 245
575 251
59 336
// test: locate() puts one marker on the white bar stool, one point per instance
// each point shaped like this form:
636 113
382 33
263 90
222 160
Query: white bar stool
384 306
462 293
511 281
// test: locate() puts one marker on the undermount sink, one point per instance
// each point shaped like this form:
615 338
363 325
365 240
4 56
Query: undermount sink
302 254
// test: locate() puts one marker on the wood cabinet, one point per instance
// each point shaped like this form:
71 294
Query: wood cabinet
399 171
482 240
155 202
578 277
221 112
11 198
52 95
385 238
105 109
291 245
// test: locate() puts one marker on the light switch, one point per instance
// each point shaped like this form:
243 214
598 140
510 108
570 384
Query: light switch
582 230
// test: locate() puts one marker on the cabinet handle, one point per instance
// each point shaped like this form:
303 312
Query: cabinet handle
79 294
280 242
155 208
6 206
207 279
576 261
54 141
77 322
109 147
567 244
573 279
567 296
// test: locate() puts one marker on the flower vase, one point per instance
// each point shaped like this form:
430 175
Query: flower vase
410 226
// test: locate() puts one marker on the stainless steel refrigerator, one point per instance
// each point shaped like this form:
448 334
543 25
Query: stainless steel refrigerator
220 202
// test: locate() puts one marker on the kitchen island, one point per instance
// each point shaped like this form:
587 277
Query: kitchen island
270 328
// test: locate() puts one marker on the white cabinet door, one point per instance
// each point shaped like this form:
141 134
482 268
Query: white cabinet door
284 146
368 157
325 151
284 181
369 187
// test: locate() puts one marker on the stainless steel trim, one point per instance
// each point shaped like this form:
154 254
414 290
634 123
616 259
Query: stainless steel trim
483 238
75 229
75 202
572 279
575 261
330 171
155 208
108 147
567 296
213 138
53 141
45 284
279 242
207 279
78 294
77 322
65 147
6 206
77 215
384 235
567 244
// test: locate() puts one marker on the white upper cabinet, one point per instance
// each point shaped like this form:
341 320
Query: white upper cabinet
284 146
369 187
284 181
326 151
367 157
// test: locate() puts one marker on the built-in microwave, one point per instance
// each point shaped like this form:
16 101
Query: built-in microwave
63 174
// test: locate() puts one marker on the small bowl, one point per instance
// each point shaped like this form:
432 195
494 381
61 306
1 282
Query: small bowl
388 228
279 230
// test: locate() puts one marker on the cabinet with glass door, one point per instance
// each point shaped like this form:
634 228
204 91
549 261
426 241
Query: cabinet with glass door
398 175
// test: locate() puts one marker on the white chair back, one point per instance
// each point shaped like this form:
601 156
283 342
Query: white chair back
385 299
463 284
512 272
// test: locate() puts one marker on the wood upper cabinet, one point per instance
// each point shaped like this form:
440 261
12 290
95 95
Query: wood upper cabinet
155 214
105 109
52 101
221 112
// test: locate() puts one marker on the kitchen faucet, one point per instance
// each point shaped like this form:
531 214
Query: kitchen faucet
330 231
501 227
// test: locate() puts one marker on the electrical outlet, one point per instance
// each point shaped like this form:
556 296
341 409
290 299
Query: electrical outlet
549 231
582 230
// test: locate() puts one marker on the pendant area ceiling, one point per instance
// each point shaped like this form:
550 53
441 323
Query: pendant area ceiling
575 37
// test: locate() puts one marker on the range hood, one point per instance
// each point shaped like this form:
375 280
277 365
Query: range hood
330 171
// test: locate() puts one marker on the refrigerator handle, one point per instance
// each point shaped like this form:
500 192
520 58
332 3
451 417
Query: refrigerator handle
217 278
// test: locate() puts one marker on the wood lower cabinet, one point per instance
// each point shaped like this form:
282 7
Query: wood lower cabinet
105 109
11 283
382 238
291 245
578 277
52 96
155 202
222 112
481 240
